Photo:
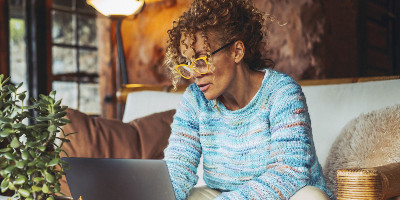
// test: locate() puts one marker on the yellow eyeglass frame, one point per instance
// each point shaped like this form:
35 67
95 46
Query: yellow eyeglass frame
192 67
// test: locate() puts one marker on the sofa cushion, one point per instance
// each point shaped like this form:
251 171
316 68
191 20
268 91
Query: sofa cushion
98 137
332 106
370 140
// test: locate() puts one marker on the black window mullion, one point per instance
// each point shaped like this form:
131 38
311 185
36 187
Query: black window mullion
4 39
36 42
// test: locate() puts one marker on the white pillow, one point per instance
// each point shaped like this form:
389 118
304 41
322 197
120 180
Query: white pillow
140 104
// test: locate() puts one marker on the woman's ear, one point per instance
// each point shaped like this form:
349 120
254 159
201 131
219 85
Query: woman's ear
239 51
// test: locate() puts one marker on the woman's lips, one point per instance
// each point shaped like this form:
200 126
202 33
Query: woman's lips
204 87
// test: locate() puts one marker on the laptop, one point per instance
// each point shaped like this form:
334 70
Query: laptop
118 179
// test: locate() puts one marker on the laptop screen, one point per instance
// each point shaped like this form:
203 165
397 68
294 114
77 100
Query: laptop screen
118 179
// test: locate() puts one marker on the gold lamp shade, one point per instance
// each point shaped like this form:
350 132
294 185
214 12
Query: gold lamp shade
116 7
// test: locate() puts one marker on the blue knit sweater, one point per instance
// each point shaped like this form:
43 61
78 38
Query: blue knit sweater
262 151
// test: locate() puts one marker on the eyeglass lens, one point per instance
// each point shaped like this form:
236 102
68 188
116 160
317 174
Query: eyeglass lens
199 65
185 71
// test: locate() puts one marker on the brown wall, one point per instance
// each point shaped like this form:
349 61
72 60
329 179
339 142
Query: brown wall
146 37
318 40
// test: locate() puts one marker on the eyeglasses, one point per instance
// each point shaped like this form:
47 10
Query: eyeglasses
199 65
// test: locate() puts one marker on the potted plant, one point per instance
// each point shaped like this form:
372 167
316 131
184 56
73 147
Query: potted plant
30 163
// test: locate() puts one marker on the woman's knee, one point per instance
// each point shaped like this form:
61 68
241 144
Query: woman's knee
310 193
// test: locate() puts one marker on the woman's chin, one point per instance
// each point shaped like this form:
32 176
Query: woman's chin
209 96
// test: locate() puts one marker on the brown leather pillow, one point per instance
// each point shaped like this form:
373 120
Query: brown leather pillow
97 137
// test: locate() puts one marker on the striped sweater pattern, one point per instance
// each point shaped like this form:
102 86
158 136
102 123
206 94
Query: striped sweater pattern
262 151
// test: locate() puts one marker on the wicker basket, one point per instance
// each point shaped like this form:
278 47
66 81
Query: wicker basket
368 183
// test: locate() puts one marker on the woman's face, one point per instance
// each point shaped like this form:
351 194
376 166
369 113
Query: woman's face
218 82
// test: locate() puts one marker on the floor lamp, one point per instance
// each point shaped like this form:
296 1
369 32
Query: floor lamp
117 10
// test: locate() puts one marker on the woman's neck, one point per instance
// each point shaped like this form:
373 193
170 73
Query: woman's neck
243 89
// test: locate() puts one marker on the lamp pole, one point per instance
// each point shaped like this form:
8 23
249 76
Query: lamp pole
117 10
122 71
121 77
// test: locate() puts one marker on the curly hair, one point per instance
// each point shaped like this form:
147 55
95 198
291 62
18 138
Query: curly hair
230 20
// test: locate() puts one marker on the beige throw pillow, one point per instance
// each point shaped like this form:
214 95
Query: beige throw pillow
370 140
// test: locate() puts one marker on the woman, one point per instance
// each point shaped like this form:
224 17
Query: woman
249 122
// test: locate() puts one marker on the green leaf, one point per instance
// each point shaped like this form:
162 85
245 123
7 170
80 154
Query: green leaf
3 164
20 180
15 143
11 186
64 120
19 85
12 88
6 120
42 119
41 165
53 162
4 184
33 100
32 153
25 155
57 103
36 188
57 188
3 173
18 125
9 156
31 106
20 164
42 148
6 132
24 193
38 179
31 170
52 128
30 144
49 178
52 93
22 96
9 169
59 115
5 150
45 189
50 198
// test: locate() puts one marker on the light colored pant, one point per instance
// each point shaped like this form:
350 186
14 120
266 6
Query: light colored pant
308 192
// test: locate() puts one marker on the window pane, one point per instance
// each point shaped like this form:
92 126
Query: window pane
68 92
68 4
63 30
64 60
87 31
17 51
88 61
18 69
90 98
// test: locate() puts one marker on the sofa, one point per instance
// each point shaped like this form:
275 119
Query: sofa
339 111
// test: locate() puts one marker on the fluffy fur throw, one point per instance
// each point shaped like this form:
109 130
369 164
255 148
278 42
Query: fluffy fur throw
370 140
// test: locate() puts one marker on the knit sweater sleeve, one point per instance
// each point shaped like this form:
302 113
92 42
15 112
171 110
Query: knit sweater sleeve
183 152
291 150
